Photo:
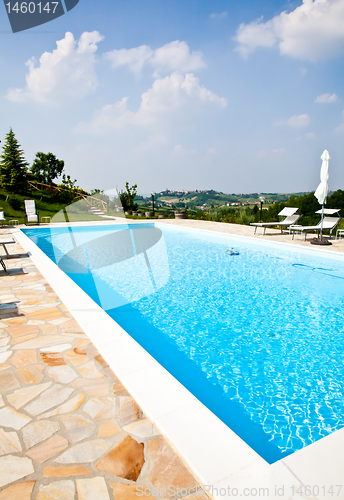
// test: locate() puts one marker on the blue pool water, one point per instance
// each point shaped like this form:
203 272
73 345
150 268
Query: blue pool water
257 337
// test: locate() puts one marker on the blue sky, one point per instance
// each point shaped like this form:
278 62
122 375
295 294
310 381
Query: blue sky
237 96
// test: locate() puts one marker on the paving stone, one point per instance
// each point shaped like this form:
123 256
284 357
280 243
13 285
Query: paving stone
109 428
21 330
81 342
32 374
56 348
101 408
75 470
89 489
101 360
62 374
76 356
4 356
125 460
4 367
52 358
39 431
49 449
53 396
94 388
8 382
13 468
46 315
129 410
119 389
43 341
20 320
130 491
1 401
71 405
166 468
22 396
58 490
9 442
49 329
109 373
21 340
4 341
24 357
84 453
72 326
142 428
77 426
18 491
89 370
11 418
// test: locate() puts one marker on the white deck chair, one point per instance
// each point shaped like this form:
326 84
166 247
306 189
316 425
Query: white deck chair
329 223
289 218
30 209
2 217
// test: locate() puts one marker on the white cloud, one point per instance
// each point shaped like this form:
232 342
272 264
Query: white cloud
166 95
326 98
174 56
63 74
133 58
215 15
180 151
295 121
278 152
312 32
154 143
310 135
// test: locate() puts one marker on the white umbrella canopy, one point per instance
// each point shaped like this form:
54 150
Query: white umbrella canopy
322 189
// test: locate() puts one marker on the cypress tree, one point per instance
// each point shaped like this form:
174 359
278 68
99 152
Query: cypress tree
13 167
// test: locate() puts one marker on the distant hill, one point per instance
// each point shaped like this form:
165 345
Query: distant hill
212 199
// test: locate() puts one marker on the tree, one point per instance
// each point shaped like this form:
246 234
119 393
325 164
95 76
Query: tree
13 167
127 197
46 167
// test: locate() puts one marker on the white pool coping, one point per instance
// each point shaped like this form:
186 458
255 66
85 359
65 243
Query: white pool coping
215 455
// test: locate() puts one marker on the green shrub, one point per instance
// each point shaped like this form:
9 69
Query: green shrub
15 203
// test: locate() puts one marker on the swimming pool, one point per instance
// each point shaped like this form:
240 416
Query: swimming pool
256 337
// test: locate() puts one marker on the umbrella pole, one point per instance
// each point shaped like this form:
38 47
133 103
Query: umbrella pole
322 222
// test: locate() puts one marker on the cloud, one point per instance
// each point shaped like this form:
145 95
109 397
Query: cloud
211 151
295 121
326 98
310 135
180 151
174 56
166 95
154 143
222 15
63 74
133 58
278 152
311 32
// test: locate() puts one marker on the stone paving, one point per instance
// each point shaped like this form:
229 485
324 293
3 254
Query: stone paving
68 428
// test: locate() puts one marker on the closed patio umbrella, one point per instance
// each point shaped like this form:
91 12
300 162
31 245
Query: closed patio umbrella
321 194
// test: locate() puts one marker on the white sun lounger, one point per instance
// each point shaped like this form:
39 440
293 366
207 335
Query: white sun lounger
6 242
329 223
290 218
30 209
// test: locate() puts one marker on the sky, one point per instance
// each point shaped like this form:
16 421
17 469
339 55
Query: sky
238 96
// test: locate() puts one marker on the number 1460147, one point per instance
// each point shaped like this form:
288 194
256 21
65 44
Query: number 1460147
32 7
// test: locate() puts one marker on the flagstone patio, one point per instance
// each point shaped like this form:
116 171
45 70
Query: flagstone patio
69 430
